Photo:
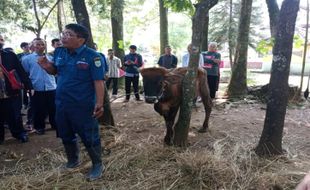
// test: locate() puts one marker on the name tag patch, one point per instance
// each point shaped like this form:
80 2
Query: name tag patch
82 65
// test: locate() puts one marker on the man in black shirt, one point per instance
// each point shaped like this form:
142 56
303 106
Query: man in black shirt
25 47
168 60
10 98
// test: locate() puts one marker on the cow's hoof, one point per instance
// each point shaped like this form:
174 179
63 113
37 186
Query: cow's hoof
202 130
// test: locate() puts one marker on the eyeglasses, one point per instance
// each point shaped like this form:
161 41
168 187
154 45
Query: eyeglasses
68 35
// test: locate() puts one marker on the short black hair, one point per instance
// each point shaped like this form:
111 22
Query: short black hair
55 40
24 44
110 50
80 30
39 39
133 47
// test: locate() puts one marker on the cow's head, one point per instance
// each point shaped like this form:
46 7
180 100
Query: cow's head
153 83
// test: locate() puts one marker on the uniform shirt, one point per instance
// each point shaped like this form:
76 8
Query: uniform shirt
185 60
41 80
10 61
132 69
168 61
76 73
114 66
210 66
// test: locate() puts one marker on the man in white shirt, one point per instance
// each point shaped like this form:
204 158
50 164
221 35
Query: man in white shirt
114 64
185 58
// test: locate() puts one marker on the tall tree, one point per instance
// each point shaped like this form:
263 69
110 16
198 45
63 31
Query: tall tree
304 53
40 22
60 13
81 16
117 8
163 25
230 34
273 10
270 142
238 82
188 86
204 42
186 5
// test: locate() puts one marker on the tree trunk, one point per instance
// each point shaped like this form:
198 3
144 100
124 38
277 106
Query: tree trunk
117 7
107 118
271 139
205 37
230 33
60 13
273 10
188 87
164 35
81 16
238 85
304 53
204 42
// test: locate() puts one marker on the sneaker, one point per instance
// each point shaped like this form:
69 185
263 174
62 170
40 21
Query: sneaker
138 100
126 100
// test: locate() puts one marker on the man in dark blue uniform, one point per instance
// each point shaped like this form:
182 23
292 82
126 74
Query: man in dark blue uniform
79 96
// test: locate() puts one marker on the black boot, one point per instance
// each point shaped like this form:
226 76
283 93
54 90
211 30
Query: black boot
72 152
97 168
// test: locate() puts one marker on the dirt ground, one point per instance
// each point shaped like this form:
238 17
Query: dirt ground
241 120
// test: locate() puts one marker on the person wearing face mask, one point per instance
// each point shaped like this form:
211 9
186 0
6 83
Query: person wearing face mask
9 97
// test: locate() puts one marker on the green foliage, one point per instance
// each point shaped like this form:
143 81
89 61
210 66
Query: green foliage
264 46
298 41
120 44
22 12
179 34
100 7
180 5
219 23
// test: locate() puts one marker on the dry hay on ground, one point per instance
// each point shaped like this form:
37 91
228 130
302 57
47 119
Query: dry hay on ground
221 159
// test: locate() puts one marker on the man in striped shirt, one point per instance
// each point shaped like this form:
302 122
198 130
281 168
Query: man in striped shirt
114 64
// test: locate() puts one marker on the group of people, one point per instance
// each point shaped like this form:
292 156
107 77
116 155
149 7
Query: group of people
74 100
67 85
209 60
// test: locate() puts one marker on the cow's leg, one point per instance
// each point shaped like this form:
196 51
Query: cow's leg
169 119
207 102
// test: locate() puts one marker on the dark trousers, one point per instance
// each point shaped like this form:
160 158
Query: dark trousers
43 104
77 119
135 82
25 98
115 85
213 85
11 114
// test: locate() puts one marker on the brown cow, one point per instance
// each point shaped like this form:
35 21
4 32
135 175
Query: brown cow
164 88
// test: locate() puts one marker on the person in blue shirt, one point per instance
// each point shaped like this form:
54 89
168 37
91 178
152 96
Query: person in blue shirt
132 63
44 86
79 96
